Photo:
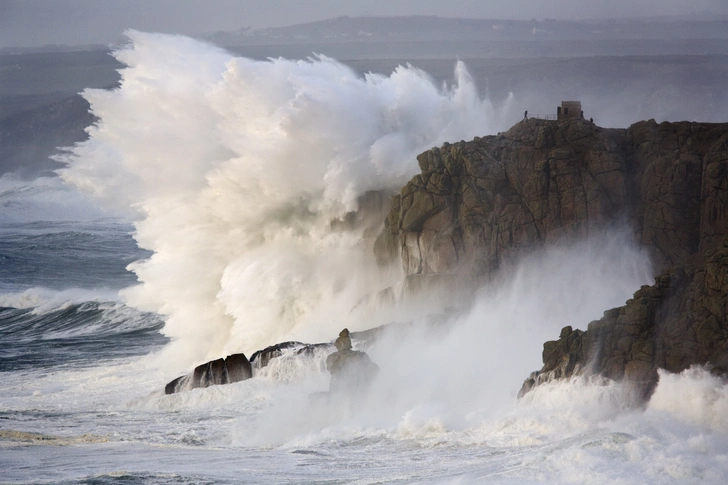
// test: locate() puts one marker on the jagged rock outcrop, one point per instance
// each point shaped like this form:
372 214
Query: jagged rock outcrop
680 321
237 367
233 368
261 358
479 205
351 371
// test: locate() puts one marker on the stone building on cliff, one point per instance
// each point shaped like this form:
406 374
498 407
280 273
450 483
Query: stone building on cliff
569 109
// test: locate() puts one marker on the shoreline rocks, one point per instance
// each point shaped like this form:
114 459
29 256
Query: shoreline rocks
233 368
351 371
680 321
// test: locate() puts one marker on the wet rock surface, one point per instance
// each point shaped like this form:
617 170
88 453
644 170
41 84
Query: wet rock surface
262 358
233 368
351 370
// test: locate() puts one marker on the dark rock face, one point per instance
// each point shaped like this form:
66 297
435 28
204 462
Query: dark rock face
351 371
238 368
233 368
478 206
261 358
680 321
343 342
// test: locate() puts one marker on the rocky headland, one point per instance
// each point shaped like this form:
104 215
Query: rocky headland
479 206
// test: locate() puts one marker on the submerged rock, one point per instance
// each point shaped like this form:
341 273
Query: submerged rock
236 367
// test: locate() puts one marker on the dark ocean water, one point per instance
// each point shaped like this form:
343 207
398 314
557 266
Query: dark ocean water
61 255
58 295
74 333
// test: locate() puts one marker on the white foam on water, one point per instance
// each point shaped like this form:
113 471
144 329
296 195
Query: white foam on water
44 300
567 432
694 397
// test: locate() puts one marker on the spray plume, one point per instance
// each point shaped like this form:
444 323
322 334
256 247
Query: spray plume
233 169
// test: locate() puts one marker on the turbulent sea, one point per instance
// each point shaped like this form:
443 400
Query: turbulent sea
196 222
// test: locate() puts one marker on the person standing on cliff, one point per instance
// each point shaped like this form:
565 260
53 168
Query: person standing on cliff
525 115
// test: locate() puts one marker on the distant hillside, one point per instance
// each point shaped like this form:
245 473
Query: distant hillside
421 28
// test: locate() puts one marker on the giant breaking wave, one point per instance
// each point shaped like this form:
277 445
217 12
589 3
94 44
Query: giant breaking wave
233 170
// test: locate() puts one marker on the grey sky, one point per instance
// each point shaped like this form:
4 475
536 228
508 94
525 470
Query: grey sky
38 22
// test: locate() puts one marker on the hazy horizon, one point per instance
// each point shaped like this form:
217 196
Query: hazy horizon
33 23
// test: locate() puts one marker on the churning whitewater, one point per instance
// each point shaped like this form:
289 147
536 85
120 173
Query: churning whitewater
239 177
234 169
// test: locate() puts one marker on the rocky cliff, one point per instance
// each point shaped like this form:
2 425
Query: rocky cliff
477 206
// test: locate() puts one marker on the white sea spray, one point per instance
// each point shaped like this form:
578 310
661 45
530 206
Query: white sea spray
233 170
